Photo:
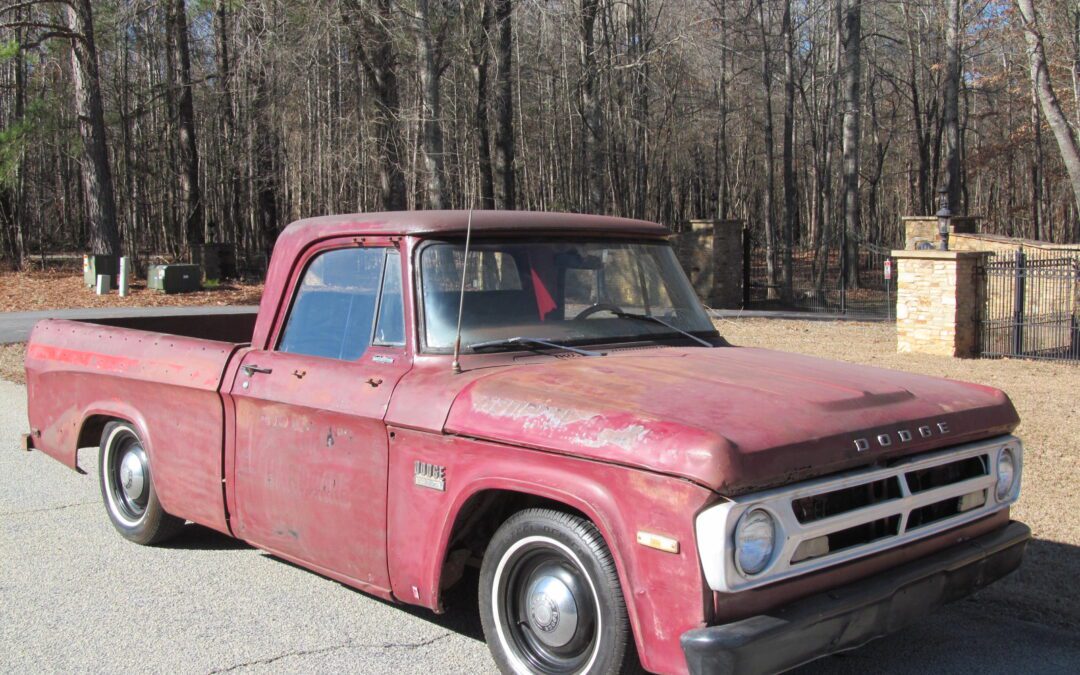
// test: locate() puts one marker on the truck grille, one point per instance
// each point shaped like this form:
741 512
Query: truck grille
831 520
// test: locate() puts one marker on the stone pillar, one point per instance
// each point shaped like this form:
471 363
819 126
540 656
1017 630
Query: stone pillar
919 229
939 302
711 252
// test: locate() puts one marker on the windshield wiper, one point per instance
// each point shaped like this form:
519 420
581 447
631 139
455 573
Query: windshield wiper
521 340
656 319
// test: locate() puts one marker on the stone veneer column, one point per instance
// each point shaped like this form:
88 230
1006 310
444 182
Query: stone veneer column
711 252
939 301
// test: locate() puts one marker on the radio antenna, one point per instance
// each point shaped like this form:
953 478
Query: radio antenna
456 365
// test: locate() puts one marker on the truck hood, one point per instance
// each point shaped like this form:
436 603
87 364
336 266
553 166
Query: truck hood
733 419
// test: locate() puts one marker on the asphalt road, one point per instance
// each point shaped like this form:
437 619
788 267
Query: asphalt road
75 597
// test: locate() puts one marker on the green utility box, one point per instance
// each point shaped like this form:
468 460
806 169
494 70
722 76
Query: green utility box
174 278
93 265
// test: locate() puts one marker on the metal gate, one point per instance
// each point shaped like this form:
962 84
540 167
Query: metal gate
817 281
1032 307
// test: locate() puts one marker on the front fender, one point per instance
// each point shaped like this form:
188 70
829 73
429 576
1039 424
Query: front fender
665 593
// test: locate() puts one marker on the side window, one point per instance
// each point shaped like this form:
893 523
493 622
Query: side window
334 309
390 328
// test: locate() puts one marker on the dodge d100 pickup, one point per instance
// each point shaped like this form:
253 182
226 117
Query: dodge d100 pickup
542 397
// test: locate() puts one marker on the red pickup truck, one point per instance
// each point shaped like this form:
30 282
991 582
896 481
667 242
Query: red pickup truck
634 490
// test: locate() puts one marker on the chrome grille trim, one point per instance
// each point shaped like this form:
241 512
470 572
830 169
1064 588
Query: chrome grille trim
715 526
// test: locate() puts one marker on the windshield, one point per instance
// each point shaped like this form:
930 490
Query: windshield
562 291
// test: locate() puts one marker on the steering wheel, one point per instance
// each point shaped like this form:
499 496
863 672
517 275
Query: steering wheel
598 307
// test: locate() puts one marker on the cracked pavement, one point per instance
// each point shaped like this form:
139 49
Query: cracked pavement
75 597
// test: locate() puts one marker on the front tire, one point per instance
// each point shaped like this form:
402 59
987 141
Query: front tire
127 487
550 600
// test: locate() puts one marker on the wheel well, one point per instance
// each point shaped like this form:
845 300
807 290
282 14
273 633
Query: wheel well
90 433
478 519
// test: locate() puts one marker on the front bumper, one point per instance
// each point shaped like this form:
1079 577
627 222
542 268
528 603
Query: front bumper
850 616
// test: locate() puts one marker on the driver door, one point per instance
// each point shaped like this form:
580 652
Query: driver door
310 463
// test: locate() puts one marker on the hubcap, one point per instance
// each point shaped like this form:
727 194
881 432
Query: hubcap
132 475
553 611
547 609
128 473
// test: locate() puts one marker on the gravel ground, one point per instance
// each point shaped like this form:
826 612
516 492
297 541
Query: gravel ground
1045 589
11 362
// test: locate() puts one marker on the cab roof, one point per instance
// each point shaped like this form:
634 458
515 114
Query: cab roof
403 223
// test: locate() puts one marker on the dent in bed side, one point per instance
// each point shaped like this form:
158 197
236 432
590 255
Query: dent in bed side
665 593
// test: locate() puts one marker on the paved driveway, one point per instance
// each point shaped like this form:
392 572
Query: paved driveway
75 597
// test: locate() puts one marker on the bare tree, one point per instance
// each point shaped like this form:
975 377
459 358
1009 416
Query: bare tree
1040 77
95 170
669 112
505 183
190 188
479 44
430 37
769 206
791 208
851 83
590 108
373 24
951 106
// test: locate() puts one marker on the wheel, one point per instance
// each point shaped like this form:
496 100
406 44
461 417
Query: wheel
550 600
128 488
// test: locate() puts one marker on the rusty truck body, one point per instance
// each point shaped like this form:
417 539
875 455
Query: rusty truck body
634 489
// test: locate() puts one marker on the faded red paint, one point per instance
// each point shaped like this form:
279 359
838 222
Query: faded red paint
315 463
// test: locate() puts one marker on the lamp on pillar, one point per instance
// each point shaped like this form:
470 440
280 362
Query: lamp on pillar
943 217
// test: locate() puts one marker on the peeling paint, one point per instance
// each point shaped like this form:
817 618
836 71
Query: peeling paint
625 438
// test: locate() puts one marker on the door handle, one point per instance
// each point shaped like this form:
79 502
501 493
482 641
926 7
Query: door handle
251 369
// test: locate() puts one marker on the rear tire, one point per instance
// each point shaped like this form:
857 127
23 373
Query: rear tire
550 599
127 487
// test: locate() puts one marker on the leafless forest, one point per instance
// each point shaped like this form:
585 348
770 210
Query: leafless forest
151 126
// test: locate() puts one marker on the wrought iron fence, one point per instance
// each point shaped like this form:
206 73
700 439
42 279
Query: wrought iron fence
817 282
1032 306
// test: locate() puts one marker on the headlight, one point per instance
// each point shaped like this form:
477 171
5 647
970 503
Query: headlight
1006 473
755 538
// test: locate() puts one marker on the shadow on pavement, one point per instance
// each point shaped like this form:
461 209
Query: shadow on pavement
198 538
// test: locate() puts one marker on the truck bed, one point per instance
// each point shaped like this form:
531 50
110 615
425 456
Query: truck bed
162 373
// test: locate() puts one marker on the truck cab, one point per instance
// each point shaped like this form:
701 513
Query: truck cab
543 397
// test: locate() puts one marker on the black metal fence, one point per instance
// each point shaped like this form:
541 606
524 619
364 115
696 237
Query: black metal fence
817 282
1032 307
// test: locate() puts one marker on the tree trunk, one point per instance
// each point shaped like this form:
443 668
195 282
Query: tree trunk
479 50
851 81
194 220
769 206
429 50
373 43
921 201
1040 77
951 106
231 181
266 176
96 173
590 108
790 188
505 182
